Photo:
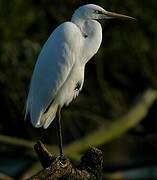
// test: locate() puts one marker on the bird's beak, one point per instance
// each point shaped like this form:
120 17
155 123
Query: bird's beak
117 16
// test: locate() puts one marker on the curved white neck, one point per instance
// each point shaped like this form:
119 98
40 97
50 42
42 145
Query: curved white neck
92 33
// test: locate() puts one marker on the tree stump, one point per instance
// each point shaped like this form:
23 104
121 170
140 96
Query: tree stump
55 168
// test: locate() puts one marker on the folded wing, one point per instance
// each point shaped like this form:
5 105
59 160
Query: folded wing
55 61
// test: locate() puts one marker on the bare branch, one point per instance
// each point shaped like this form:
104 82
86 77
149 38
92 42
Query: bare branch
89 168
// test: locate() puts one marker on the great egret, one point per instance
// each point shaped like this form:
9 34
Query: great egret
59 71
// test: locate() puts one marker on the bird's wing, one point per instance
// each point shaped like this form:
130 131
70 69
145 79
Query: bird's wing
52 68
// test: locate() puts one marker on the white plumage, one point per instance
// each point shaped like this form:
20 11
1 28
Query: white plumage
61 63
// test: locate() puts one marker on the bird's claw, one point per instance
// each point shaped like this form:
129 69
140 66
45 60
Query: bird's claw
62 161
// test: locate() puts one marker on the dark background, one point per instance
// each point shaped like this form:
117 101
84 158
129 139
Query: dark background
123 69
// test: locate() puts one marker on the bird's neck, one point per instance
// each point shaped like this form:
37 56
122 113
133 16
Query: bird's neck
88 27
81 25
92 33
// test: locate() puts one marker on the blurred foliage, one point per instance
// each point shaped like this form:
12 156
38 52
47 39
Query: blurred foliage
123 68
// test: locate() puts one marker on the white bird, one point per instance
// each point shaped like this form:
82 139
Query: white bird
59 71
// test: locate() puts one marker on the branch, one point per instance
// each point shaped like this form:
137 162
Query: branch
105 134
23 142
115 129
55 168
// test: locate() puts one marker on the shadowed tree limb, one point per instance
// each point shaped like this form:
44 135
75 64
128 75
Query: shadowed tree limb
107 133
44 155
119 126
90 166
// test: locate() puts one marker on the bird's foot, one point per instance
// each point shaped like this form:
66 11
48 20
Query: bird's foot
62 161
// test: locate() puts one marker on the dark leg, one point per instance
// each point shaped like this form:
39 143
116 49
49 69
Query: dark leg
59 130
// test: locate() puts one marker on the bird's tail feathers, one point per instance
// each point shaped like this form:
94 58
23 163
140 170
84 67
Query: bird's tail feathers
49 116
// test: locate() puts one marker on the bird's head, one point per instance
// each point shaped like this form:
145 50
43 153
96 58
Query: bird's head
92 11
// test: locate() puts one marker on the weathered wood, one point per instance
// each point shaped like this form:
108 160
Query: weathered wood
55 168
45 157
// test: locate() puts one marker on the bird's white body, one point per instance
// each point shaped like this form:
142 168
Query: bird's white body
60 66
59 71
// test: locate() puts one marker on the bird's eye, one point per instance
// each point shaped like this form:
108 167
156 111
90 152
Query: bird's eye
97 12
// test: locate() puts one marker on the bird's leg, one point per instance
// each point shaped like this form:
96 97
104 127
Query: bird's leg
59 130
